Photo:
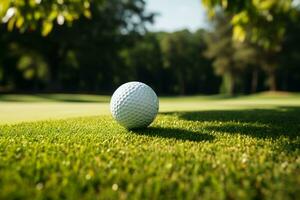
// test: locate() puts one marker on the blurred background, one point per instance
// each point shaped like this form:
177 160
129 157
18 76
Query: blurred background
177 47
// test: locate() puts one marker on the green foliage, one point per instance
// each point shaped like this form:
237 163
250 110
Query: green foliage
234 152
266 18
182 57
83 56
143 60
111 46
231 58
32 66
177 49
1 73
42 14
264 23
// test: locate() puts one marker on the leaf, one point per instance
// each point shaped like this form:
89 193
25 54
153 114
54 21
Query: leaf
268 4
53 15
11 24
210 7
28 74
87 13
47 27
4 5
37 15
20 22
32 3
224 4
239 33
86 4
240 18
68 16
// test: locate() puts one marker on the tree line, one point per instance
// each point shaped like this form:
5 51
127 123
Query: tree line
94 46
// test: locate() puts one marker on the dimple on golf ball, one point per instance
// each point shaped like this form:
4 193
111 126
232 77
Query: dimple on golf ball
134 105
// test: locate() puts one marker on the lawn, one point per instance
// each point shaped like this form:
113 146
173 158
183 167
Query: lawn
200 147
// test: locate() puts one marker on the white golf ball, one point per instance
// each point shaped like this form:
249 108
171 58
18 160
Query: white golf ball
134 105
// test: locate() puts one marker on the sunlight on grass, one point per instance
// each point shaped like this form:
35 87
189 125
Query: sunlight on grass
18 108
223 149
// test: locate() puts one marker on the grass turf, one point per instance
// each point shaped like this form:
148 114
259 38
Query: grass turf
197 148
21 108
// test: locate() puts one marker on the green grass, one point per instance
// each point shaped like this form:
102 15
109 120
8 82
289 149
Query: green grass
197 148
54 98
24 108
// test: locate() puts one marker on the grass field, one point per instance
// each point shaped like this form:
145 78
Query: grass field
200 147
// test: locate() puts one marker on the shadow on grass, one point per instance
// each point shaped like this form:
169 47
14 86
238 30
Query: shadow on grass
72 98
53 98
174 133
262 123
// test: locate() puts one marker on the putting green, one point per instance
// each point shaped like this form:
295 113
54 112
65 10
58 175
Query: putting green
22 108
201 147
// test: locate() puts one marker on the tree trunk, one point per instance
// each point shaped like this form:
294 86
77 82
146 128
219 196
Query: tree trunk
272 81
285 81
270 68
54 70
55 58
254 81
35 80
181 84
231 84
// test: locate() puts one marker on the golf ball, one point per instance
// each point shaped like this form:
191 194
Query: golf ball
134 105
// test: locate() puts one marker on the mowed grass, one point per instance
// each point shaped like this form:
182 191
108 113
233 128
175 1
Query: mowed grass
24 108
197 148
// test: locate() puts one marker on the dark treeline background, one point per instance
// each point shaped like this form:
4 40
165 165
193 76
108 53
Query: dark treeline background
97 55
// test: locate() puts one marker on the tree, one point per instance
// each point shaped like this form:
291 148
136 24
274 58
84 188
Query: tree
176 48
41 15
266 18
188 70
261 21
231 58
84 56
289 58
143 61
